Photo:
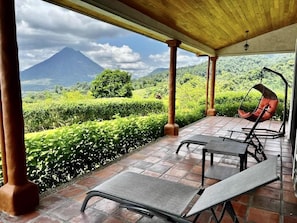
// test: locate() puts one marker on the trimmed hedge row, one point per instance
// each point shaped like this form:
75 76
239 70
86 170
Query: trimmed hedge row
54 115
57 156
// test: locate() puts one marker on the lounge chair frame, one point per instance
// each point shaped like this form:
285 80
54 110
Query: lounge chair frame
251 138
152 196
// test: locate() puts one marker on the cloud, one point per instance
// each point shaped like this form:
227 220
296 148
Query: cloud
35 17
113 57
43 29
184 58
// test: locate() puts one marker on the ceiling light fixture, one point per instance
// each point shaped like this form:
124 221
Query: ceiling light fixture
246 45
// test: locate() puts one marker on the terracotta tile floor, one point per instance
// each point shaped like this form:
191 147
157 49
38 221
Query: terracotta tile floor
272 203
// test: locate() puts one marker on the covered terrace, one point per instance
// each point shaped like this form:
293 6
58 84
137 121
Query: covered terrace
273 203
211 28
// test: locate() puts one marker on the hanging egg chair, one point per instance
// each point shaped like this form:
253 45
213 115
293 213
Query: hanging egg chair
268 101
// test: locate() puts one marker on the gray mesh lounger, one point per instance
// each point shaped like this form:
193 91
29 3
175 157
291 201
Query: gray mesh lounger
169 200
198 140
251 139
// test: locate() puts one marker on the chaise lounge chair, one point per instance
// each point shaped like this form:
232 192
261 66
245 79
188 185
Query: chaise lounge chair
251 138
151 196
198 139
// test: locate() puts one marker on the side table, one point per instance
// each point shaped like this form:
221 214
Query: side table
226 147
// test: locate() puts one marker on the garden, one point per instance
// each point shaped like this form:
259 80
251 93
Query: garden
76 133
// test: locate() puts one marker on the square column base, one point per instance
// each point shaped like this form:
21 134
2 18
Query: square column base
171 129
211 112
20 199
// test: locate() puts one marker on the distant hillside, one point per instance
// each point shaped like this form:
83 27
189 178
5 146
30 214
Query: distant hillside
65 68
158 70
234 72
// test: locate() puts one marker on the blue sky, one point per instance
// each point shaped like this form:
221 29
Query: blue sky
44 29
138 43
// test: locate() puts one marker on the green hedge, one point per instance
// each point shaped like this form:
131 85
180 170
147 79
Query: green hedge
40 117
57 156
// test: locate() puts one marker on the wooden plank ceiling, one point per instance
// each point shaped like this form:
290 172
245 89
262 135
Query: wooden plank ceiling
212 27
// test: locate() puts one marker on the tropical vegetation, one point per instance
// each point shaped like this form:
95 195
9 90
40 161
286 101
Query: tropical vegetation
71 131
110 84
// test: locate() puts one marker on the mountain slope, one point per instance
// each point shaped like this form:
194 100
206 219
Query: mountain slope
157 70
65 68
234 72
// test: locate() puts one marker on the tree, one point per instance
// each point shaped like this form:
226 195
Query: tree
112 83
